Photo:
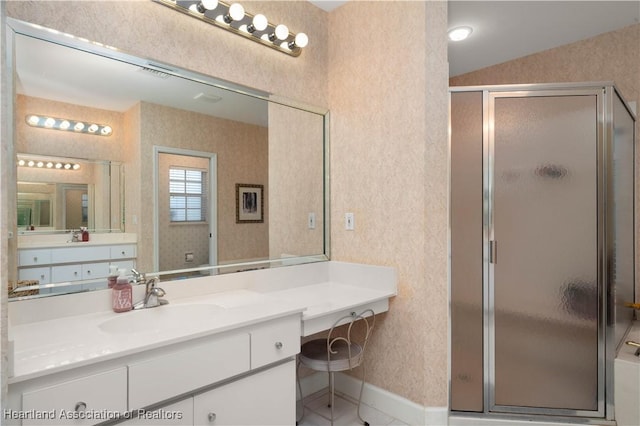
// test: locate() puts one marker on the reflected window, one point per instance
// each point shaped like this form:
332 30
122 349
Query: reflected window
187 195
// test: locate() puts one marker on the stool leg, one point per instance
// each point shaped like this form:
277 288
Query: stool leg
365 423
332 393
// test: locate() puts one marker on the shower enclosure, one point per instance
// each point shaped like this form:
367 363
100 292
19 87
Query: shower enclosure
542 247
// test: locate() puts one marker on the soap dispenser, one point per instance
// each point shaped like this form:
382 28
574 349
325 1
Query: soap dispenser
122 294
113 275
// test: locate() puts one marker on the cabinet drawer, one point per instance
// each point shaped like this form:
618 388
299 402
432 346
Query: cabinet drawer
95 270
66 273
123 251
275 340
178 414
127 265
34 257
79 253
42 275
104 391
175 373
265 398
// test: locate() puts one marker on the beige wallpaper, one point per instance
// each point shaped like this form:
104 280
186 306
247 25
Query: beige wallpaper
295 175
389 162
242 157
613 56
388 98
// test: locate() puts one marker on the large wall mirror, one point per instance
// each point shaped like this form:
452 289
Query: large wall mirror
209 176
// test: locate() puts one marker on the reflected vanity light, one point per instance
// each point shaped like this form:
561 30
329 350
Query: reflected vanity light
234 18
68 125
45 164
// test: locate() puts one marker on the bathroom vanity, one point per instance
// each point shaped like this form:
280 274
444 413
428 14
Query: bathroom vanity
223 344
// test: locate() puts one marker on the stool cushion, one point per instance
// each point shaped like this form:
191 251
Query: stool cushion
313 354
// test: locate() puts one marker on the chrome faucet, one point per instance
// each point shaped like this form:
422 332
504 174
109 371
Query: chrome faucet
152 294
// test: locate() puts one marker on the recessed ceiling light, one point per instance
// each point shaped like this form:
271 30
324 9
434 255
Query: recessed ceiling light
459 33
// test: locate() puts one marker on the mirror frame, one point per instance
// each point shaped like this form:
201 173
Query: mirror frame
18 27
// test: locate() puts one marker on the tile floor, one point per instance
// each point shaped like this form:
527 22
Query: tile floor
317 412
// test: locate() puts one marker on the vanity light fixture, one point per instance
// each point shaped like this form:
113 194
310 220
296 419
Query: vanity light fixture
44 164
68 125
233 17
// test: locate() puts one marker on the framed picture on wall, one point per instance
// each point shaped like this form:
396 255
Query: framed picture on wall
249 203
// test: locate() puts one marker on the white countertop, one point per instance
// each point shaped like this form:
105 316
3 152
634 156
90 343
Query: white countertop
48 345
55 345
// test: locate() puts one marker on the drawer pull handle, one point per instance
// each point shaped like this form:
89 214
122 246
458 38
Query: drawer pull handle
35 259
80 406
279 345
123 253
42 276
212 417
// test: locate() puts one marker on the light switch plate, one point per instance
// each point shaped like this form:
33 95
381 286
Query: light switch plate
349 219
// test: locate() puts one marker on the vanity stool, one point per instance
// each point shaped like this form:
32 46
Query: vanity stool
343 349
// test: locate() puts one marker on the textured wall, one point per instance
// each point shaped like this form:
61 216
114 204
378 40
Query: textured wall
295 140
389 156
613 56
151 30
241 151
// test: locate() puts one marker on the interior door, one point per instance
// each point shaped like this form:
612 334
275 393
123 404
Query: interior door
545 356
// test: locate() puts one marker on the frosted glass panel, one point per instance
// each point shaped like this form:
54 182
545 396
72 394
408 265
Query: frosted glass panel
545 279
620 228
466 252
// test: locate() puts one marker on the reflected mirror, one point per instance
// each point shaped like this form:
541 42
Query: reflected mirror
185 142
65 194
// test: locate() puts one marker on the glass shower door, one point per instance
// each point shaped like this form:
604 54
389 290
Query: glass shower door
545 356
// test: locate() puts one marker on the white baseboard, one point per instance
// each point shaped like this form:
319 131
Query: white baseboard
396 406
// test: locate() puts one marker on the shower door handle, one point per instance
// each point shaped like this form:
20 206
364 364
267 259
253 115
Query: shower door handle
493 251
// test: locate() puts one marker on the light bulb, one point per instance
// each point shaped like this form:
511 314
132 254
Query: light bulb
39 164
33 120
93 128
76 166
236 11
78 127
259 23
65 125
58 165
21 162
282 32
49 122
49 165
106 130
209 4
301 40
31 163
67 166
459 33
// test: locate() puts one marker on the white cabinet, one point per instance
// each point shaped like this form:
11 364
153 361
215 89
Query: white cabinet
241 376
177 414
76 402
274 340
265 398
74 263
34 257
166 376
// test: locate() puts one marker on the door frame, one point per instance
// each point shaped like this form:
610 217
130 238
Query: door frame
212 210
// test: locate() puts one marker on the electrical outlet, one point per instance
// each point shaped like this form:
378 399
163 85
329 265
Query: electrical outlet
188 257
349 221
312 221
